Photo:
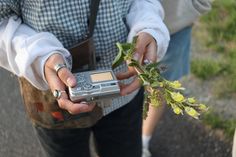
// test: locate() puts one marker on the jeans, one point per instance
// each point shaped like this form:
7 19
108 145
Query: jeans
177 58
117 135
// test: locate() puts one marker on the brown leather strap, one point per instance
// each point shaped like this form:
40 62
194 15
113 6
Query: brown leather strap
83 53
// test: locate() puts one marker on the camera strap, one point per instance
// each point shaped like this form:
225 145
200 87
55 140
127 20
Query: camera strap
93 16
83 53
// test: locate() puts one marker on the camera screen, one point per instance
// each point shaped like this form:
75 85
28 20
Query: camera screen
99 77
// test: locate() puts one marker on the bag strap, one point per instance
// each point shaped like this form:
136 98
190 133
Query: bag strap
93 16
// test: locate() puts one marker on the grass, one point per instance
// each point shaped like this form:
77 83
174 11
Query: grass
217 30
219 27
217 122
206 68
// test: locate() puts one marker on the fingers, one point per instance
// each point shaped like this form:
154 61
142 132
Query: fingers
129 88
67 77
125 75
75 108
151 53
58 79
143 41
63 73
146 48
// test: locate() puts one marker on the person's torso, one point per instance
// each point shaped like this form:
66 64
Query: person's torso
68 21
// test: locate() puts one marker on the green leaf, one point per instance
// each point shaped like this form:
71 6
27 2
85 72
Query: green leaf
152 65
126 46
134 63
144 79
119 58
155 84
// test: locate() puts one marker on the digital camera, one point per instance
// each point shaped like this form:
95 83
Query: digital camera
99 86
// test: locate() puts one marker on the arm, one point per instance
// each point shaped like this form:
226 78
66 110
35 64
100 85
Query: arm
145 19
202 6
183 13
21 50
147 16
33 55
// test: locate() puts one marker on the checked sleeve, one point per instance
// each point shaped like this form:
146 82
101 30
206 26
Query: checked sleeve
9 8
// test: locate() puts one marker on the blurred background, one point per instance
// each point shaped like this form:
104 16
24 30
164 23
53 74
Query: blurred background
212 81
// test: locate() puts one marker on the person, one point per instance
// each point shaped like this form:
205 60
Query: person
35 44
179 18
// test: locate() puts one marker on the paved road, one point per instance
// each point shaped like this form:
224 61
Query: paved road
174 137
17 138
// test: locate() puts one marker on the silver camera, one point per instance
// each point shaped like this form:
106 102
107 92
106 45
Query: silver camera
99 86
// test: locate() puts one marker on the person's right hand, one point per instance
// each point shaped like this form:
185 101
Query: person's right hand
59 81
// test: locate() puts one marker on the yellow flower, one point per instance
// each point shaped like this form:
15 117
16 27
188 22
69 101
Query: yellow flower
175 84
192 112
176 109
191 100
177 97
202 107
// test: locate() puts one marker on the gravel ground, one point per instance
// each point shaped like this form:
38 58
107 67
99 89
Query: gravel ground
177 136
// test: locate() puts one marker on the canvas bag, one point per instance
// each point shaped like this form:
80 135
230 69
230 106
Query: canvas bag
42 107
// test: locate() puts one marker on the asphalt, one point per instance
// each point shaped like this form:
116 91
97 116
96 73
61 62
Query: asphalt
173 137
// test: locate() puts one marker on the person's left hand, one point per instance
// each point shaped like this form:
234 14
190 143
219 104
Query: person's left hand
146 48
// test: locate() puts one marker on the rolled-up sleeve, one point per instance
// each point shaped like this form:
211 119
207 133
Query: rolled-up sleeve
23 51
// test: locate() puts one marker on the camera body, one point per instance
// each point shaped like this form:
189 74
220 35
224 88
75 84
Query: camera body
99 86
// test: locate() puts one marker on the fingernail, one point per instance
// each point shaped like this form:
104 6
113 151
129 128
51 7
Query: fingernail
71 82
136 56
83 102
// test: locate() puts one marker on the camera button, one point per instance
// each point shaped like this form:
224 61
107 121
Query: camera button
80 78
88 86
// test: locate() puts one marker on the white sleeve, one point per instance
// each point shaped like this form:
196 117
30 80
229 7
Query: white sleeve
201 6
23 51
147 16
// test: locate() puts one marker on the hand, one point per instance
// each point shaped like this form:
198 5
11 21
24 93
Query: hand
146 48
59 80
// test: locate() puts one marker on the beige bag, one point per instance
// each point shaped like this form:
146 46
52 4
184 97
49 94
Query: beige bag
44 111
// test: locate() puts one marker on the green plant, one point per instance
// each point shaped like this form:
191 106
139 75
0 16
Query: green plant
206 68
217 31
217 122
157 89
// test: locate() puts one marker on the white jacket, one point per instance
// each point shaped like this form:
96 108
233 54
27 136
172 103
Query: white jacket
182 13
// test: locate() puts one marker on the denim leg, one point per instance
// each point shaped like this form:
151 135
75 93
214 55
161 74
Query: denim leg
177 58
119 133
64 142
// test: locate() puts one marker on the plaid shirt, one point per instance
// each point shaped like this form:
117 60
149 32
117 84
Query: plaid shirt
67 20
